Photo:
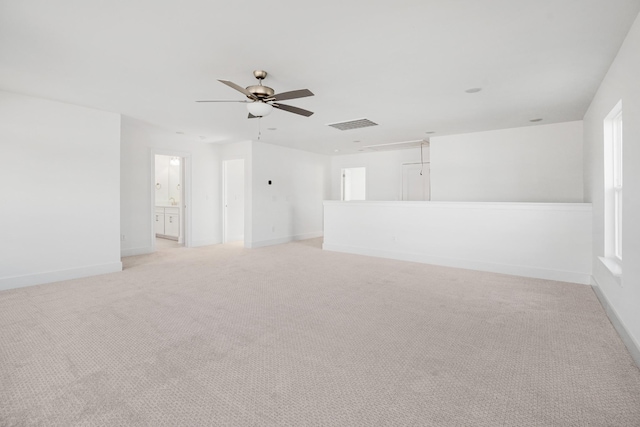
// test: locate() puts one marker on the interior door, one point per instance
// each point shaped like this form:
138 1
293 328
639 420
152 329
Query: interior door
354 184
233 200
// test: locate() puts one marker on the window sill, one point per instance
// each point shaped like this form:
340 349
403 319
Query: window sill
614 266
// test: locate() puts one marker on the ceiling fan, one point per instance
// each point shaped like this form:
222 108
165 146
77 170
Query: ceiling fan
263 99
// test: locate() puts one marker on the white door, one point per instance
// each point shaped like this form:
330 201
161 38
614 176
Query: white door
233 200
415 182
354 184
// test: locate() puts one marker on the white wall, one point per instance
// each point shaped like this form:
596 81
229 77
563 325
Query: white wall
383 171
622 82
544 240
528 164
139 141
60 186
291 207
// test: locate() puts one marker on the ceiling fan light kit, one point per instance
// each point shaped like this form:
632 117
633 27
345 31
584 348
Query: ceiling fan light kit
259 108
262 99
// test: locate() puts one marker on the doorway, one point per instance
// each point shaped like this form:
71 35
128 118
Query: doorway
169 201
233 200
354 184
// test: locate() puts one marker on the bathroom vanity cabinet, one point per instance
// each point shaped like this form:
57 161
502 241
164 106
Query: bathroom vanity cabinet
167 222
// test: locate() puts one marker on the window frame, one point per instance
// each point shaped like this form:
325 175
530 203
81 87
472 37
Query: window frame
617 148
613 189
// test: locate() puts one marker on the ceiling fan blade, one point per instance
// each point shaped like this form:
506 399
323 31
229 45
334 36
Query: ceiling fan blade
291 109
251 116
291 95
222 101
239 88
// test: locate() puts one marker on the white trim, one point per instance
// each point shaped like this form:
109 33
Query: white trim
614 267
632 345
515 270
586 207
58 275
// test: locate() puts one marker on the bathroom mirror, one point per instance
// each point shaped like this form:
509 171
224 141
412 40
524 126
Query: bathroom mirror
168 183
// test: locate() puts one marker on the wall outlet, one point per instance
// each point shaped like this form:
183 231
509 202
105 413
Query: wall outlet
122 237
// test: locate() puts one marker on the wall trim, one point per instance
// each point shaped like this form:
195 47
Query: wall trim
58 275
528 206
616 321
287 239
515 270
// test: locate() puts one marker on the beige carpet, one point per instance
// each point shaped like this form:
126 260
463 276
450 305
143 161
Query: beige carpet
295 336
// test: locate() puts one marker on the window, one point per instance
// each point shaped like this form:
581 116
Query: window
617 184
613 160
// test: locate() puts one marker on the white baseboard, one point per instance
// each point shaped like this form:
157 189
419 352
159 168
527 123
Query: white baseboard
516 270
632 345
135 251
56 276
286 239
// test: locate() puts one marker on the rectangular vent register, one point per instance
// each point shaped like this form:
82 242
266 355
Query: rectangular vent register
353 124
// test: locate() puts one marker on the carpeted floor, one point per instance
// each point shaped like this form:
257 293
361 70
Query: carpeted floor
295 336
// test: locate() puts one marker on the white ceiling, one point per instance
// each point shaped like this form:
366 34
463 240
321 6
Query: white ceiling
402 64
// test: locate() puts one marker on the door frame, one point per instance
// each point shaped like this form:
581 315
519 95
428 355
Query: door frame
185 205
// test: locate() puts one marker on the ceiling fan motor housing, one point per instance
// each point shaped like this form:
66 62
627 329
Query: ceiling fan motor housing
261 91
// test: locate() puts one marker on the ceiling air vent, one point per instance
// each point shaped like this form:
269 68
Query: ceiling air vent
353 124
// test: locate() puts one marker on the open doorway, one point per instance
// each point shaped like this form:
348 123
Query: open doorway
233 200
168 207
